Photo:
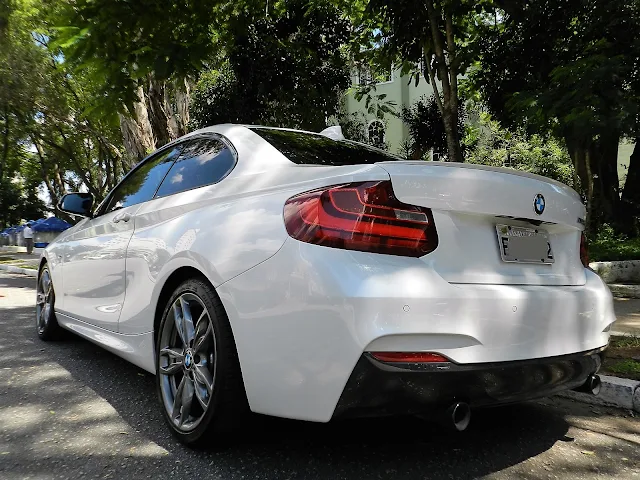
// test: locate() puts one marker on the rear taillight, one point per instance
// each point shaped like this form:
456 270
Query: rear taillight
584 251
361 216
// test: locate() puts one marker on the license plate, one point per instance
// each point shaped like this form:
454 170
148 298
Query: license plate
524 245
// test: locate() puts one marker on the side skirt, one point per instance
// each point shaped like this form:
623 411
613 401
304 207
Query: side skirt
137 349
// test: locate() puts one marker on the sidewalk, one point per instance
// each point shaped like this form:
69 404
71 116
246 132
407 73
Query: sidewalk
22 260
628 316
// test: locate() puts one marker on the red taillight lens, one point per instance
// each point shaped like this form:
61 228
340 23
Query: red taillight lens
584 251
361 216
409 357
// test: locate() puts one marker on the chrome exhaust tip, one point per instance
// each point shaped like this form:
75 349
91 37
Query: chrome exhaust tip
592 385
459 416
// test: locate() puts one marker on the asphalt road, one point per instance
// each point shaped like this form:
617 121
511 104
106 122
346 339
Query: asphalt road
71 410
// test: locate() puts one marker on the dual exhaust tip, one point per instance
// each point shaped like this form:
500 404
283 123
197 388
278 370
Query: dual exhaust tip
458 415
592 385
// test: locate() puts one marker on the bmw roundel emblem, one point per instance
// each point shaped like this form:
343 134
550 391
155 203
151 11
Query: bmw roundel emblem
188 360
538 204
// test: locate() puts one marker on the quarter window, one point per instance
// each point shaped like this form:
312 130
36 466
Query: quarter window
202 161
141 184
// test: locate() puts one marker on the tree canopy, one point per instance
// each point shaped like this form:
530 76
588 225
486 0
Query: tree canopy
284 69
89 87
569 68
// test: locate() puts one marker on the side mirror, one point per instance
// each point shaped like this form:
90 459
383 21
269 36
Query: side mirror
77 204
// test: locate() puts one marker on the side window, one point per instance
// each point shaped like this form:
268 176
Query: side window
143 181
202 161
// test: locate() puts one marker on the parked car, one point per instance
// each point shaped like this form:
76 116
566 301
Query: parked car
297 275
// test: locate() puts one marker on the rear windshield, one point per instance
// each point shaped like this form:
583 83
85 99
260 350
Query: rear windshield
313 149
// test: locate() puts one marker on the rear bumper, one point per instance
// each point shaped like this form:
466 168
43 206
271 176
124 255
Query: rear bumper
303 319
376 388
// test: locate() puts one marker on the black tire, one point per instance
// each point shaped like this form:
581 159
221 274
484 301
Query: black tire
46 322
227 405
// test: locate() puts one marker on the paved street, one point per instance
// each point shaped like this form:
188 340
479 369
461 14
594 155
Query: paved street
71 410
627 315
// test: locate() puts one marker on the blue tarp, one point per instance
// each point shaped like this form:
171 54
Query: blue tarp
51 224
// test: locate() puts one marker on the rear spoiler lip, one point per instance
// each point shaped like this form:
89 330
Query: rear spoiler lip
473 166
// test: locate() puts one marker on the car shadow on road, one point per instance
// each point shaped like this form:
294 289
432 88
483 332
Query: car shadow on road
363 448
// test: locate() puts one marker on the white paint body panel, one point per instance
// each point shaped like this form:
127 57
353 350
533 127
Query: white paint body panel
303 318
302 314
468 201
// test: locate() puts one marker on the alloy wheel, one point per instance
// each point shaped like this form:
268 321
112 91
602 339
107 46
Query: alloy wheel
187 361
44 297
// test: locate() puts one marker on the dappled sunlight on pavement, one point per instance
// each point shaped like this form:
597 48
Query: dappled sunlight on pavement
628 315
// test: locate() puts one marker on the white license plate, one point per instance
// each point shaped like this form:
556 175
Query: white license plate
524 245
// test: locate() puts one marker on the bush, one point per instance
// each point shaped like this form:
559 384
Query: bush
489 144
609 246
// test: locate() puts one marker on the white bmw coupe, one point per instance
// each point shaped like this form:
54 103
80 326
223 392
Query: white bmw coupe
305 276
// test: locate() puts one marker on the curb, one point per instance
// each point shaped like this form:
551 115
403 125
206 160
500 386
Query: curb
616 392
25 271
621 290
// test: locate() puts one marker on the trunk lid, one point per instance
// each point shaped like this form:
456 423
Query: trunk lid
469 202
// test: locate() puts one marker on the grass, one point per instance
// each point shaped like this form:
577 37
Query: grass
628 341
16 262
612 249
620 359
626 368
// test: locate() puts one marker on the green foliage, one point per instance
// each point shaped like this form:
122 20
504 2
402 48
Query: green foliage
565 67
353 125
569 69
426 129
489 144
628 368
627 341
121 42
430 40
286 69
376 104
47 107
19 202
610 246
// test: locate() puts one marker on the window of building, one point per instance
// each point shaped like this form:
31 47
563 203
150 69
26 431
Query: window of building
376 133
364 75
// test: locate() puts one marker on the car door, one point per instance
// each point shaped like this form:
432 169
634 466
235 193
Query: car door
94 263
169 225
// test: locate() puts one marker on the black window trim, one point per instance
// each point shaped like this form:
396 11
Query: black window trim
205 135
176 143
148 158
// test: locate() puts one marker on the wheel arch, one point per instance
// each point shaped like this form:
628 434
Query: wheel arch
170 284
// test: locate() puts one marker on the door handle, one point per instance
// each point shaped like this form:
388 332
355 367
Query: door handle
125 217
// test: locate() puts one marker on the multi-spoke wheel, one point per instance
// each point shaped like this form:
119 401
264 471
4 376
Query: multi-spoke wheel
198 377
46 323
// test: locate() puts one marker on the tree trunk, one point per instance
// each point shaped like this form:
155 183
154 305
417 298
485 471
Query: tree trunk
454 151
446 63
137 134
182 99
45 176
160 113
630 203
608 186
5 142
589 187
